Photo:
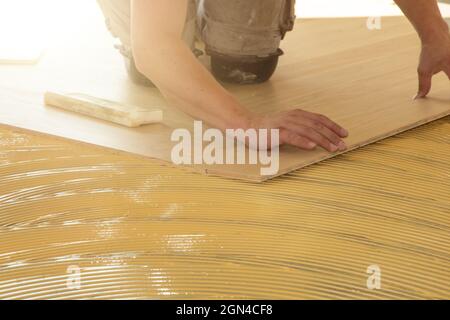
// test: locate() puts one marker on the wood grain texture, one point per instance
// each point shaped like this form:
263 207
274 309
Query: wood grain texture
363 79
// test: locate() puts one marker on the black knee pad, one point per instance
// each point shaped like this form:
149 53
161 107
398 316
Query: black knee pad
244 70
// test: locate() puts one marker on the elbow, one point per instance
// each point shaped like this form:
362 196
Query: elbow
139 58
152 60
146 56
142 68
142 51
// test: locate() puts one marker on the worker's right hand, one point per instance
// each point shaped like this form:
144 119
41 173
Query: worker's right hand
303 129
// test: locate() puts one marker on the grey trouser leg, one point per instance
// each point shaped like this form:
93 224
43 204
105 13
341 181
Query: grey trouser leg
239 28
233 27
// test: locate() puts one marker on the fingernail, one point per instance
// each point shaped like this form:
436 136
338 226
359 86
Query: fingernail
334 148
342 146
344 132
312 145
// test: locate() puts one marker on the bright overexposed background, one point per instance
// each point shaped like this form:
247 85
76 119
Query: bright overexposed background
27 27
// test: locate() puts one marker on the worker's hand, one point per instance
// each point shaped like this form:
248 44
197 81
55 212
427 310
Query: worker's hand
304 129
434 58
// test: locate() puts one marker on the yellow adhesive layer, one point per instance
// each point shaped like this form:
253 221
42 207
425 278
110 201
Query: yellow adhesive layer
137 229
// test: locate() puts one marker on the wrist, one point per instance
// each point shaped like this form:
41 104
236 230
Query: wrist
237 116
234 115
243 120
437 32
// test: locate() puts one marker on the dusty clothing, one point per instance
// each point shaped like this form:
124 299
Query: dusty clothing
237 28
228 27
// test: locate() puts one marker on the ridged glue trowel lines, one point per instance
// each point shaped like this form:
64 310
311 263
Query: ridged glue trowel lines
140 230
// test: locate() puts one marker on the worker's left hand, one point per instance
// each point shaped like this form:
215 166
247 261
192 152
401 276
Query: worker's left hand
434 58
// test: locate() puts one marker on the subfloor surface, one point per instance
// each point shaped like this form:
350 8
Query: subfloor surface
136 229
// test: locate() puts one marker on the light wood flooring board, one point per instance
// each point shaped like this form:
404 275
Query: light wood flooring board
363 79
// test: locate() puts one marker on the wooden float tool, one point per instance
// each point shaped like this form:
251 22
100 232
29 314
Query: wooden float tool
123 114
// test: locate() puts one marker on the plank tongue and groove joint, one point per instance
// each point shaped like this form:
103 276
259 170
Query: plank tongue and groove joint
363 79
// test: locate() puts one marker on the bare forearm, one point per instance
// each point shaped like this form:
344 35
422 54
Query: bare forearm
161 55
426 18
188 85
